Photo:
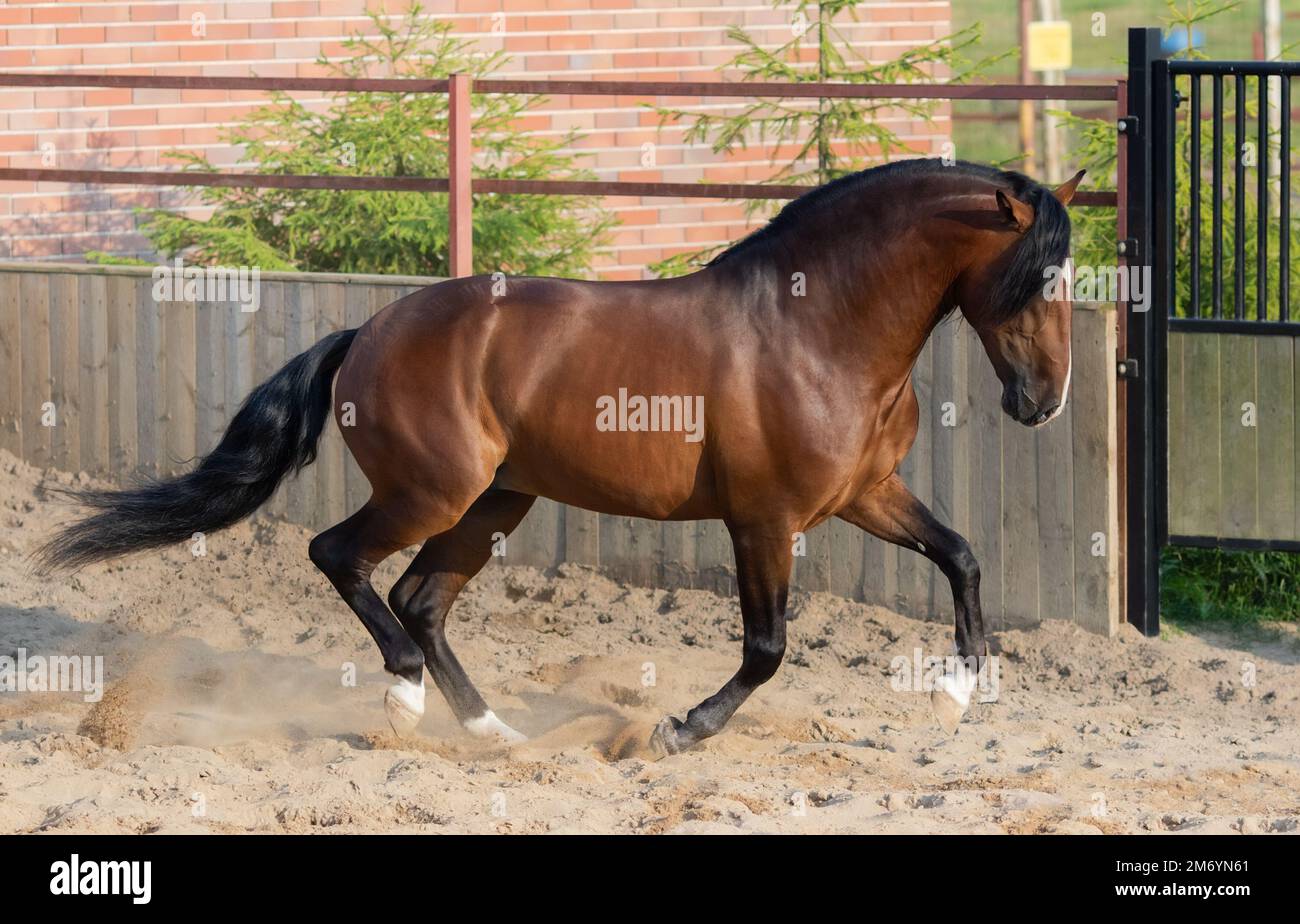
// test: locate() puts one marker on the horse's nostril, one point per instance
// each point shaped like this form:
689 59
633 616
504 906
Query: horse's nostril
1045 413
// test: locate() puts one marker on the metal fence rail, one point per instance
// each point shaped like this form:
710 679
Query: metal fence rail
1264 83
458 87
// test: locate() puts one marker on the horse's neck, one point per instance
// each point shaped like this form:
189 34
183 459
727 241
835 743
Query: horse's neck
887 296
872 284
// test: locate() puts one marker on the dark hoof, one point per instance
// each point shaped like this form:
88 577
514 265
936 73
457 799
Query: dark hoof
663 740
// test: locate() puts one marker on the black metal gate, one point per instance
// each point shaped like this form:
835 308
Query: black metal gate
1209 211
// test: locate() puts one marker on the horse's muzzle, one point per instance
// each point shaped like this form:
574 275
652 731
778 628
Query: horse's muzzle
1024 410
1043 416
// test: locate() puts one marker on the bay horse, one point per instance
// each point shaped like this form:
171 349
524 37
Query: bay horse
475 396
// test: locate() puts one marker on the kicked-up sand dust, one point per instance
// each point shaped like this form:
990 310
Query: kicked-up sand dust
228 708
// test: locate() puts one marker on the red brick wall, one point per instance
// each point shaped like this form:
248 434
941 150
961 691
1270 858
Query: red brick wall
612 39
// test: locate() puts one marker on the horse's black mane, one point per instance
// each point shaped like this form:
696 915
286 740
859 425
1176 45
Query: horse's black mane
1047 242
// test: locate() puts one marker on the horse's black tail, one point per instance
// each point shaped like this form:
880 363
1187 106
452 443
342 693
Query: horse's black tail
274 433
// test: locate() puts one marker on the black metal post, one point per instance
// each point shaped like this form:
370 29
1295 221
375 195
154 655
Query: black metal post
1146 329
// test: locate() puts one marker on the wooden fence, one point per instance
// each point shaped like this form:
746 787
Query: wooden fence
136 385
1232 436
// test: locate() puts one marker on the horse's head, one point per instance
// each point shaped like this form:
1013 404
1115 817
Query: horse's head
1002 295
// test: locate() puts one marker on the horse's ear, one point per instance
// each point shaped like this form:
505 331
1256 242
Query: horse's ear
1017 213
1065 192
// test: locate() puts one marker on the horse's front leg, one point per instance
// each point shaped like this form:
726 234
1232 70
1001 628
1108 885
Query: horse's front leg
891 512
763 560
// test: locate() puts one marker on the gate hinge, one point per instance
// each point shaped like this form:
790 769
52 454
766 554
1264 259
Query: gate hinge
1127 247
1127 369
1127 125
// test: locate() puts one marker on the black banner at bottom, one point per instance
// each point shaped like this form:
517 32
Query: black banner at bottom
221 873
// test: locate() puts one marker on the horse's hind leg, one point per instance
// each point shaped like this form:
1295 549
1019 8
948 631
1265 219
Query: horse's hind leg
763 562
423 596
348 554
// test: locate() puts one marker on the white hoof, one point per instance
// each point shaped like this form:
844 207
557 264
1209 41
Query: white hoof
951 697
404 704
489 726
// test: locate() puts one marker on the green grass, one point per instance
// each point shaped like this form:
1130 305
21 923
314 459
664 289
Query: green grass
1216 585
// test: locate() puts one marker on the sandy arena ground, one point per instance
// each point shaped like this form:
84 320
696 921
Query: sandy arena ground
225 711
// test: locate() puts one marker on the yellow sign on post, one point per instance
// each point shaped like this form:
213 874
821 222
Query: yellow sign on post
1049 46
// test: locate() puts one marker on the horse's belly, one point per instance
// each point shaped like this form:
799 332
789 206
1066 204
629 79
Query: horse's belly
659 475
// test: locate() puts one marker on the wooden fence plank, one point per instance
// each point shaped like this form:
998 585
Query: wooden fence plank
34 297
879 571
676 567
241 336
812 570
582 536
331 502
213 414
538 540
11 365
151 379
846 558
299 336
357 308
1239 516
1020 571
1277 439
715 565
1093 433
179 435
1296 457
65 373
123 440
1196 448
627 548
269 357
1177 403
1055 513
92 329
648 535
